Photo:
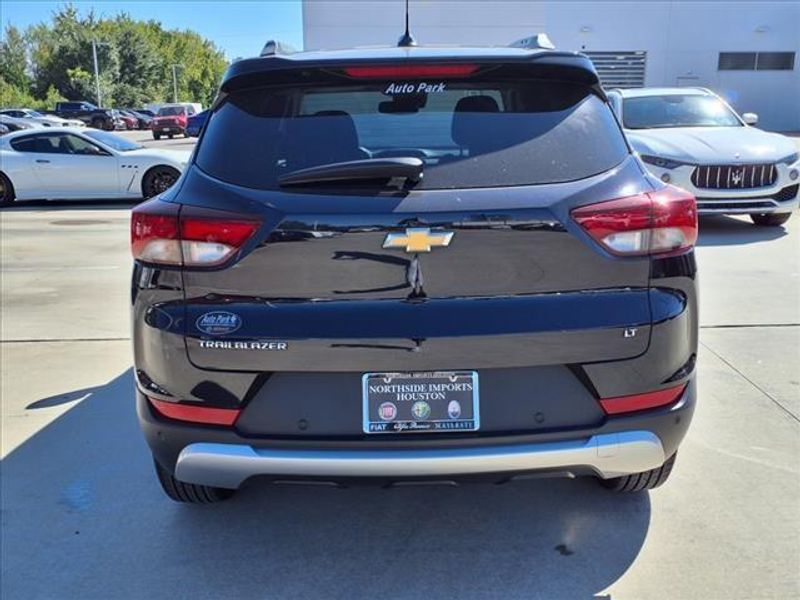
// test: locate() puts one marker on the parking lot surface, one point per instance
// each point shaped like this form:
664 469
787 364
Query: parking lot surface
83 516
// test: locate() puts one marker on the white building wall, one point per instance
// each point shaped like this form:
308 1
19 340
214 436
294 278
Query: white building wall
682 38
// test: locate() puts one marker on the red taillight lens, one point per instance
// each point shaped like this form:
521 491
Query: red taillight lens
650 223
207 242
410 71
625 404
196 414
159 235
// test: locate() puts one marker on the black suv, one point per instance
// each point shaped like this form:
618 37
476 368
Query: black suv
414 264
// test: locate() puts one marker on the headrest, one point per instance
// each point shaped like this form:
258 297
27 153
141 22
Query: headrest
464 130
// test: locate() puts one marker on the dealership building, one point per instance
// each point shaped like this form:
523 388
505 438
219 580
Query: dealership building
745 51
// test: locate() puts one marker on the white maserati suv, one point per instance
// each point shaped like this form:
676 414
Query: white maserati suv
691 138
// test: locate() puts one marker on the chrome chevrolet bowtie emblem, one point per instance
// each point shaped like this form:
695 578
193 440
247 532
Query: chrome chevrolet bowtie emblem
418 239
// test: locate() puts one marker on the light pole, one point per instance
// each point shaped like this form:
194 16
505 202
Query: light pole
95 44
175 82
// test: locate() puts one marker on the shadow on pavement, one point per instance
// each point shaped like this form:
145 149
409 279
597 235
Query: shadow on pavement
722 230
23 205
83 517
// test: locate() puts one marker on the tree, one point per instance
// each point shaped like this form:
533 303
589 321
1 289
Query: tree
14 59
135 61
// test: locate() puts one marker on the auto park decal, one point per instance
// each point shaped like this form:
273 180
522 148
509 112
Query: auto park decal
218 322
422 87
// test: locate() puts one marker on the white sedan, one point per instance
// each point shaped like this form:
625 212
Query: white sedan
44 120
82 164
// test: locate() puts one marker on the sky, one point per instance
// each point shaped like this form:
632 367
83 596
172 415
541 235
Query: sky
238 28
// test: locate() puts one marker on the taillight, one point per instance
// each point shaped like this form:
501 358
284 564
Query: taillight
411 71
635 402
195 414
160 235
649 223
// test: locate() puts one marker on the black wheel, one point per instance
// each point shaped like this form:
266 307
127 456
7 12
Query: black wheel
156 136
190 493
639 482
98 123
770 219
171 136
7 195
158 180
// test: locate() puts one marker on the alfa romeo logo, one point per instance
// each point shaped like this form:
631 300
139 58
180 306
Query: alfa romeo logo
421 410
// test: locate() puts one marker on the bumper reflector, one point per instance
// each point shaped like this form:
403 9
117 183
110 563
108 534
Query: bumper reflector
625 404
194 413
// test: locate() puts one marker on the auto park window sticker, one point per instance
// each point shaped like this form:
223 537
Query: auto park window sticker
422 87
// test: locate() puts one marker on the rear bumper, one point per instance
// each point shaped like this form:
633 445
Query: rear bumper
221 457
606 455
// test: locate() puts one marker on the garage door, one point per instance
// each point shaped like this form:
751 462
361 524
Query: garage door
619 69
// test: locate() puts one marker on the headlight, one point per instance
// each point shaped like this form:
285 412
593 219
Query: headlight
791 159
664 163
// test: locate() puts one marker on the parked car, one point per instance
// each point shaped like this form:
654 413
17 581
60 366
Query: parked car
142 120
4 129
171 120
365 239
16 124
194 124
42 119
144 111
88 113
129 120
692 138
82 164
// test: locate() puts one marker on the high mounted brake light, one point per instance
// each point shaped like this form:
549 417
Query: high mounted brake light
205 239
410 71
662 222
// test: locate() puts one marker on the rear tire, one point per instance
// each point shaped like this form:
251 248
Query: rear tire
639 482
171 136
770 219
189 493
98 123
158 180
7 195
156 136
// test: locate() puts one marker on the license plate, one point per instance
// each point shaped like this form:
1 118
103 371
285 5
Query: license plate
437 402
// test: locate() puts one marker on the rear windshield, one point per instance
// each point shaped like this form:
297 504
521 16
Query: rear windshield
171 111
468 134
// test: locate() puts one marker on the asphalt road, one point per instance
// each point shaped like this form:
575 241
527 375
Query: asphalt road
83 517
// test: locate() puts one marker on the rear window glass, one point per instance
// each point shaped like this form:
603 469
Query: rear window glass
468 134
171 111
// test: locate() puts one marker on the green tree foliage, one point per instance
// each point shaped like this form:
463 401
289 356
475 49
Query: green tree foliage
14 59
135 60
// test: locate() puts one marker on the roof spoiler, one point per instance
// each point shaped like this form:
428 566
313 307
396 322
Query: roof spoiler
538 41
276 47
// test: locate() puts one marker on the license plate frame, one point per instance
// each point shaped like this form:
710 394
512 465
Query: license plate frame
452 399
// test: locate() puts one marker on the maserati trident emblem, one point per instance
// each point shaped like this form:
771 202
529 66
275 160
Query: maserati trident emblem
418 239
736 177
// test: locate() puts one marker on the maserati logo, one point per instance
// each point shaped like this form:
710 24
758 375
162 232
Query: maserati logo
418 239
736 177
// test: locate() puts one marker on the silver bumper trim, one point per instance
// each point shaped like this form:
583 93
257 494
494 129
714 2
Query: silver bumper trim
607 455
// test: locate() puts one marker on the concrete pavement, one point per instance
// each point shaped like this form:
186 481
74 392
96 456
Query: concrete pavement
83 516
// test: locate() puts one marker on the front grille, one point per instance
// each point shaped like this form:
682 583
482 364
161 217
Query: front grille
734 177
733 206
